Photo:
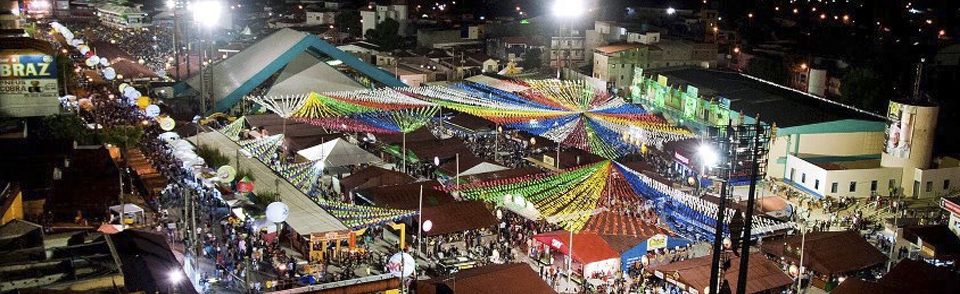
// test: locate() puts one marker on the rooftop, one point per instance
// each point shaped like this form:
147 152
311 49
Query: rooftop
753 98
618 48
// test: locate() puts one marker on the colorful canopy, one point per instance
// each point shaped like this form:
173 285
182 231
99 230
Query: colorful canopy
567 197
371 111
233 129
262 148
360 216
300 174
570 112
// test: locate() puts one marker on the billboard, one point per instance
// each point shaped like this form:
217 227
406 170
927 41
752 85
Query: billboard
28 84
899 131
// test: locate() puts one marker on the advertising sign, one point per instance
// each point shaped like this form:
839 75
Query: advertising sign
899 131
28 84
657 242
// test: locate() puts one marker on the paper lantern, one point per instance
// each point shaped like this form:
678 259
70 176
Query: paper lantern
104 62
277 212
90 62
427 225
123 87
226 173
143 102
109 73
152 110
245 186
401 265
167 124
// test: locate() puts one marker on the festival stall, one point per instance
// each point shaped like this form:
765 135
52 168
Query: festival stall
693 275
828 256
592 255
635 255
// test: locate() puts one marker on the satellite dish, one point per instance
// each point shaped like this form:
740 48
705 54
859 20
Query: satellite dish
277 212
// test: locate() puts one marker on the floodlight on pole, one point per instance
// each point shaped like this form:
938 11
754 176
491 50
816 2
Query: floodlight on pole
568 8
207 12
708 155
671 10
171 3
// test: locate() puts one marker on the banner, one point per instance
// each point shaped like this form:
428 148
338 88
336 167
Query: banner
899 132
28 84
657 242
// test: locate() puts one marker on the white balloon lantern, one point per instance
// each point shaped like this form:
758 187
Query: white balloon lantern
401 265
109 73
277 212
104 62
152 110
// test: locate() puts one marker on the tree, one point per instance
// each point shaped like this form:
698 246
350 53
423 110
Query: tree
123 137
65 127
386 35
349 22
863 88
531 59
768 69
212 157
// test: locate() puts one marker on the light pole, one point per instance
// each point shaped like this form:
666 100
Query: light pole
172 5
206 13
565 10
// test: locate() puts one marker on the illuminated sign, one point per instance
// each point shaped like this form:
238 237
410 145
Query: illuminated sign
681 158
657 242
899 133
28 84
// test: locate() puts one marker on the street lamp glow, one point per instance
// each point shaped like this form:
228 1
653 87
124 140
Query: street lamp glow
171 3
671 11
708 155
175 276
568 7
207 12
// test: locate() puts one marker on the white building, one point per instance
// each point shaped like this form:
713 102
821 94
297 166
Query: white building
123 16
374 14
859 159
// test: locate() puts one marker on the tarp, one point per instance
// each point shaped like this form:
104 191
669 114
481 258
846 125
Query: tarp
338 152
587 248
634 254
127 208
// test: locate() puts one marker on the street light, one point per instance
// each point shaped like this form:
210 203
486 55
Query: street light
206 13
708 155
565 9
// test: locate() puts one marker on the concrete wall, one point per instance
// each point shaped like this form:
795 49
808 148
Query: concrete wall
819 181
864 179
834 144
920 141
806 175
940 182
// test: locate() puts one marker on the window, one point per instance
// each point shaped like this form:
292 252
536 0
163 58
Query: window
816 184
929 186
834 187
853 186
873 185
803 178
946 184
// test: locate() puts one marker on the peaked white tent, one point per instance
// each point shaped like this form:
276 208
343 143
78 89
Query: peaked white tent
483 167
338 152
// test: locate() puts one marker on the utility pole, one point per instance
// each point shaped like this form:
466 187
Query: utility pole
748 220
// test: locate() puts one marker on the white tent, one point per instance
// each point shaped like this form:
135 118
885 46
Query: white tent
338 152
483 167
